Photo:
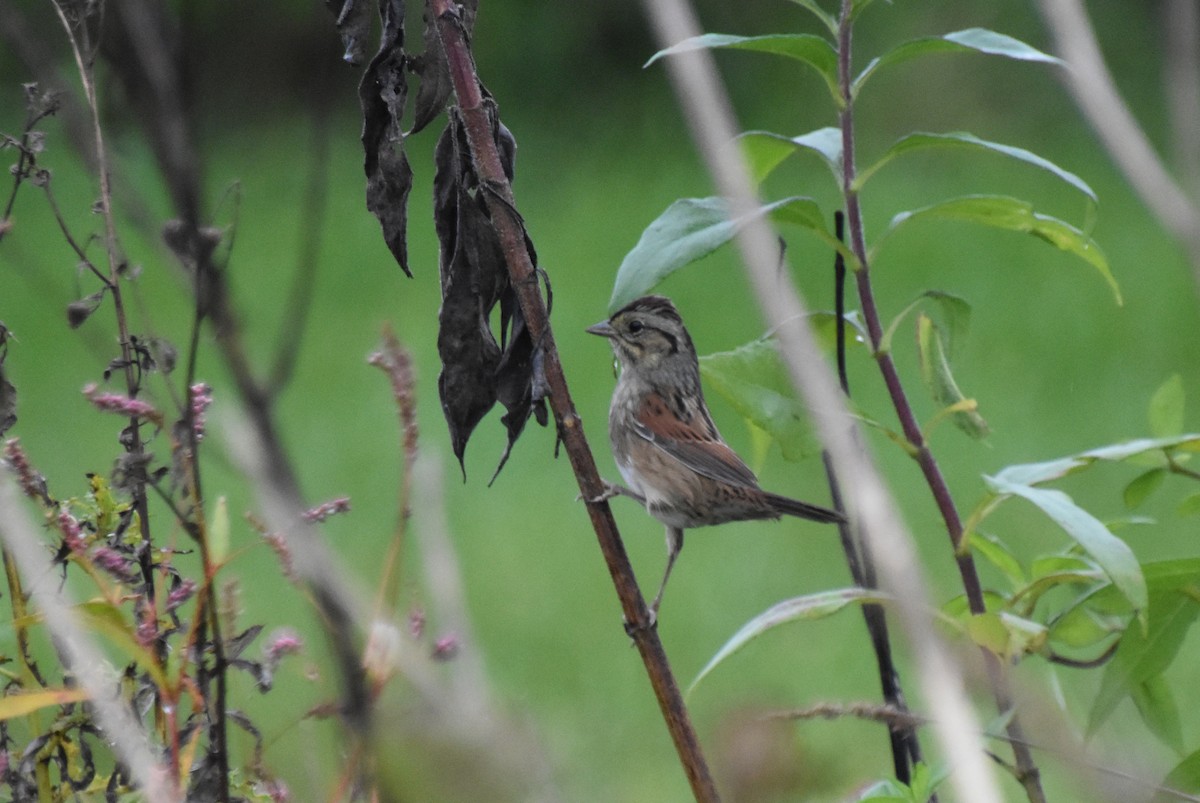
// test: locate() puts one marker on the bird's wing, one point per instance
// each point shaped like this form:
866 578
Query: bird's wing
687 433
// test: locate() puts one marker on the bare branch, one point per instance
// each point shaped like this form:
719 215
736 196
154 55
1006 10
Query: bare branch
523 275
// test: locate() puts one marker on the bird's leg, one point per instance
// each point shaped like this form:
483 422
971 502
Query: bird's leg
612 489
674 547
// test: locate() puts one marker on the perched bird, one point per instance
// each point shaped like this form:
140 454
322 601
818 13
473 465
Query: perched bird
666 445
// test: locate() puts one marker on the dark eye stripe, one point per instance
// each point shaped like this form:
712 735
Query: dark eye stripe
671 338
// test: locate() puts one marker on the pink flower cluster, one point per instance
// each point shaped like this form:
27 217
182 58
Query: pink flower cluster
201 398
71 532
122 405
283 642
26 476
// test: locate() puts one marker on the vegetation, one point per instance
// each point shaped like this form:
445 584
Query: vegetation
439 640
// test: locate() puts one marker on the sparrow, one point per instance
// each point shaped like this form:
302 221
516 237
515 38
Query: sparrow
663 438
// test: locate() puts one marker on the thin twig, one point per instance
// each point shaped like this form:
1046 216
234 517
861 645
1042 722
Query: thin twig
133 445
907 719
903 740
524 279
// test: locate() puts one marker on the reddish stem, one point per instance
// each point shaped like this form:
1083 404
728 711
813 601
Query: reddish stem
1027 771
523 275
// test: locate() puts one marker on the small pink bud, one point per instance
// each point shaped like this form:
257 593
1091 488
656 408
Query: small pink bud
327 509
446 647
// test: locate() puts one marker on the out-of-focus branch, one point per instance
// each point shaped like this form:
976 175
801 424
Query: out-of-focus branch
79 655
706 107
1092 86
1181 77
510 231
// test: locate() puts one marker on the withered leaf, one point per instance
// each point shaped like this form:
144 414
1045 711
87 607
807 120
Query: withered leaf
354 24
448 163
79 311
434 71
192 245
474 280
236 645
8 402
515 385
466 346
382 94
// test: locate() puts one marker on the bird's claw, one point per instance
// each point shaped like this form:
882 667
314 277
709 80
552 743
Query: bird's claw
610 490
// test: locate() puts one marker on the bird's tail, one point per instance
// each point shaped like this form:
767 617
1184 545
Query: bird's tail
803 510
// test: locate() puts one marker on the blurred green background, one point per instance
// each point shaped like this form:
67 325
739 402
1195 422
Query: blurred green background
1056 366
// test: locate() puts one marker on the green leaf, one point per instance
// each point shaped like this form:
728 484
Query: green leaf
806 608
1029 595
760 444
1190 505
1166 408
823 15
1047 565
964 140
1082 625
1144 484
1006 635
814 51
1145 655
978 40
856 7
754 382
103 617
939 380
23 703
1185 778
1015 215
218 533
1037 473
824 325
997 553
924 782
765 150
1111 553
956 316
692 228
1159 711
1168 576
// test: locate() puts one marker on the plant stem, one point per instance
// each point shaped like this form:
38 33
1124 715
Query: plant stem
134 445
1027 771
523 275
902 738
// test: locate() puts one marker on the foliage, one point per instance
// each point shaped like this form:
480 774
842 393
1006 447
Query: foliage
1089 603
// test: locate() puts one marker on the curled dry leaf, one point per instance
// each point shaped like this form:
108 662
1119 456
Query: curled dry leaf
476 372
383 92
8 392
353 20
79 311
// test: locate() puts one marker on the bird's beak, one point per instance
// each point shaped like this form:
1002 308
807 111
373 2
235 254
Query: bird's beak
604 329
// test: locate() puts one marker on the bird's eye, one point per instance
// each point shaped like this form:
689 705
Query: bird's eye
636 326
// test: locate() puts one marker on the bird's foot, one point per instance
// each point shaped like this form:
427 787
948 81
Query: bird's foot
611 489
